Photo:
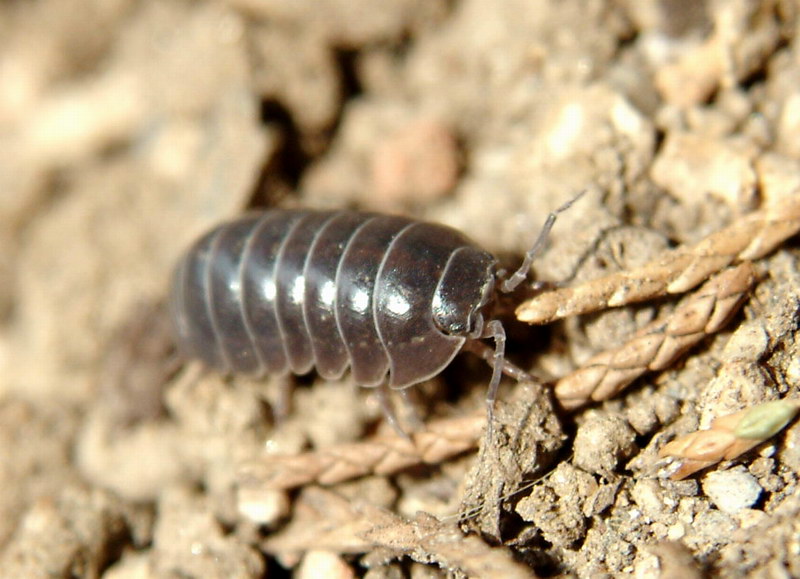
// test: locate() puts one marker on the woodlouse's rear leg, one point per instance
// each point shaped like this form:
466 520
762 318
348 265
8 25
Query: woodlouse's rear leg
282 406
412 415
383 392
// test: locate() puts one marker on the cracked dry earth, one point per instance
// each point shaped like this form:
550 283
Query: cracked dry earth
128 127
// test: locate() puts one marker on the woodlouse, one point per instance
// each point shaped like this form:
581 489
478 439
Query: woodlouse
287 290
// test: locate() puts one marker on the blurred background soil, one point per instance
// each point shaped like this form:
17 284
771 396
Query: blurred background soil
127 127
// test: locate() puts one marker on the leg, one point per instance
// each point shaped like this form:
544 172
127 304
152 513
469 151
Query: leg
519 276
282 406
494 329
411 415
485 352
384 398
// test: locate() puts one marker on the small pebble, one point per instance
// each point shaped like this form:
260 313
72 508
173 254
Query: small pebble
324 564
676 532
262 506
602 441
732 490
648 496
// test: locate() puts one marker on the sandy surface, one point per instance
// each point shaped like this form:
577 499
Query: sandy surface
129 127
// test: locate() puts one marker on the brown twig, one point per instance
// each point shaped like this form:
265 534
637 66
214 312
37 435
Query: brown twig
384 454
426 539
678 271
658 344
326 520
729 436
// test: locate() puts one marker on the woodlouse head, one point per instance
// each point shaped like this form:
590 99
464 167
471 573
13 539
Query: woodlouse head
465 289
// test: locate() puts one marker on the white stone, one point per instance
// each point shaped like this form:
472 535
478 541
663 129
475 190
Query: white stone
732 490
262 506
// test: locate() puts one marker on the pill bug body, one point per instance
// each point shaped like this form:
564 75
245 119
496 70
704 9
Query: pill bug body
287 290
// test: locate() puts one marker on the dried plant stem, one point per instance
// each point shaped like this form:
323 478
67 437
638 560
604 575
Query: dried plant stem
426 539
328 521
658 344
730 436
678 271
383 454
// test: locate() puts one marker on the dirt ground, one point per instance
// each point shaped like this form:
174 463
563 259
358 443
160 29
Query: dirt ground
128 127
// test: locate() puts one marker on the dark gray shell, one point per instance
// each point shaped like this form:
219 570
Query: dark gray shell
287 290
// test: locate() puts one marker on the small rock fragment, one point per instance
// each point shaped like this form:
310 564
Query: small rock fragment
261 505
602 441
691 166
324 564
732 490
650 498
789 126
556 508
